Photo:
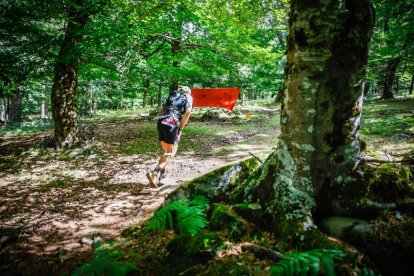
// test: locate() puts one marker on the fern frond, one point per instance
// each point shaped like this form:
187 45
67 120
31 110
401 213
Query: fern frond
191 220
104 263
307 263
163 215
191 216
200 201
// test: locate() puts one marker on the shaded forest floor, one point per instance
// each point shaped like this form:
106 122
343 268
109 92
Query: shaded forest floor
55 205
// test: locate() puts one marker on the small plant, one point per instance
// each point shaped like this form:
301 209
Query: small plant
190 216
307 263
104 263
11 163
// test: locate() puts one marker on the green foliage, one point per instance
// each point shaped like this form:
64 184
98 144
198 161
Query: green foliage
104 263
307 263
391 43
23 128
190 216
390 181
10 162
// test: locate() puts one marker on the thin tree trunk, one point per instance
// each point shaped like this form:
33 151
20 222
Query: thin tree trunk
175 49
320 117
95 105
147 84
66 78
367 87
397 88
3 111
159 95
250 95
43 105
43 109
388 81
411 85
15 106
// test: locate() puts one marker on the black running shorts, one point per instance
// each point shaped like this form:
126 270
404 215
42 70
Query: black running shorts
166 133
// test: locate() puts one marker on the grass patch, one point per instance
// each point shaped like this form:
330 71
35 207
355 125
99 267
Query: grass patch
388 125
199 136
11 163
26 127
146 141
388 118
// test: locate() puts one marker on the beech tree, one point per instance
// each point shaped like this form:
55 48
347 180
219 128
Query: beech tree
66 77
318 146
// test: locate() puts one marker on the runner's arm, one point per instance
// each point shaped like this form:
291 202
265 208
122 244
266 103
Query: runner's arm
185 118
161 110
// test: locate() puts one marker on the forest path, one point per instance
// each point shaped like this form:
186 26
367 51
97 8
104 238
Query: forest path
58 203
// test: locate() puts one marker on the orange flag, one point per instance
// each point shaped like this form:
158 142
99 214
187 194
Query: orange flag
215 97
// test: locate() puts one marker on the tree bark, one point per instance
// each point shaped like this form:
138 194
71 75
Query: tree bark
159 95
397 88
147 84
3 113
411 86
43 105
14 110
367 88
388 81
318 146
66 78
175 50
43 109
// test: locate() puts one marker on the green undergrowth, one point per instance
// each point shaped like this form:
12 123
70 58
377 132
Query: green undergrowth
105 262
204 252
146 141
26 127
388 126
115 115
200 136
189 216
315 262
388 118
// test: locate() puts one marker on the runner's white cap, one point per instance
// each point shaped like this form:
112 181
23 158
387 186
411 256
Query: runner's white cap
185 89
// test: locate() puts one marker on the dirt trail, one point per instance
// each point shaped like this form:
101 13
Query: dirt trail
59 206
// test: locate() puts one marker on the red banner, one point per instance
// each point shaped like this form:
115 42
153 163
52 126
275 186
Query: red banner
215 97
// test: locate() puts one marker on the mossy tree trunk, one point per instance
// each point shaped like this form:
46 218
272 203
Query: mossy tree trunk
318 146
390 71
410 91
66 77
15 106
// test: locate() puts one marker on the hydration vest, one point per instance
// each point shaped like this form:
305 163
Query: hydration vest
175 106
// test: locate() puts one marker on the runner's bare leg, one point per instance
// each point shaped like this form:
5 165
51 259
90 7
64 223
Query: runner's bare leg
166 157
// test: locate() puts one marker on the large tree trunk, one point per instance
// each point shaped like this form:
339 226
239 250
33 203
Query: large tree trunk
318 146
66 78
388 81
14 110
411 86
